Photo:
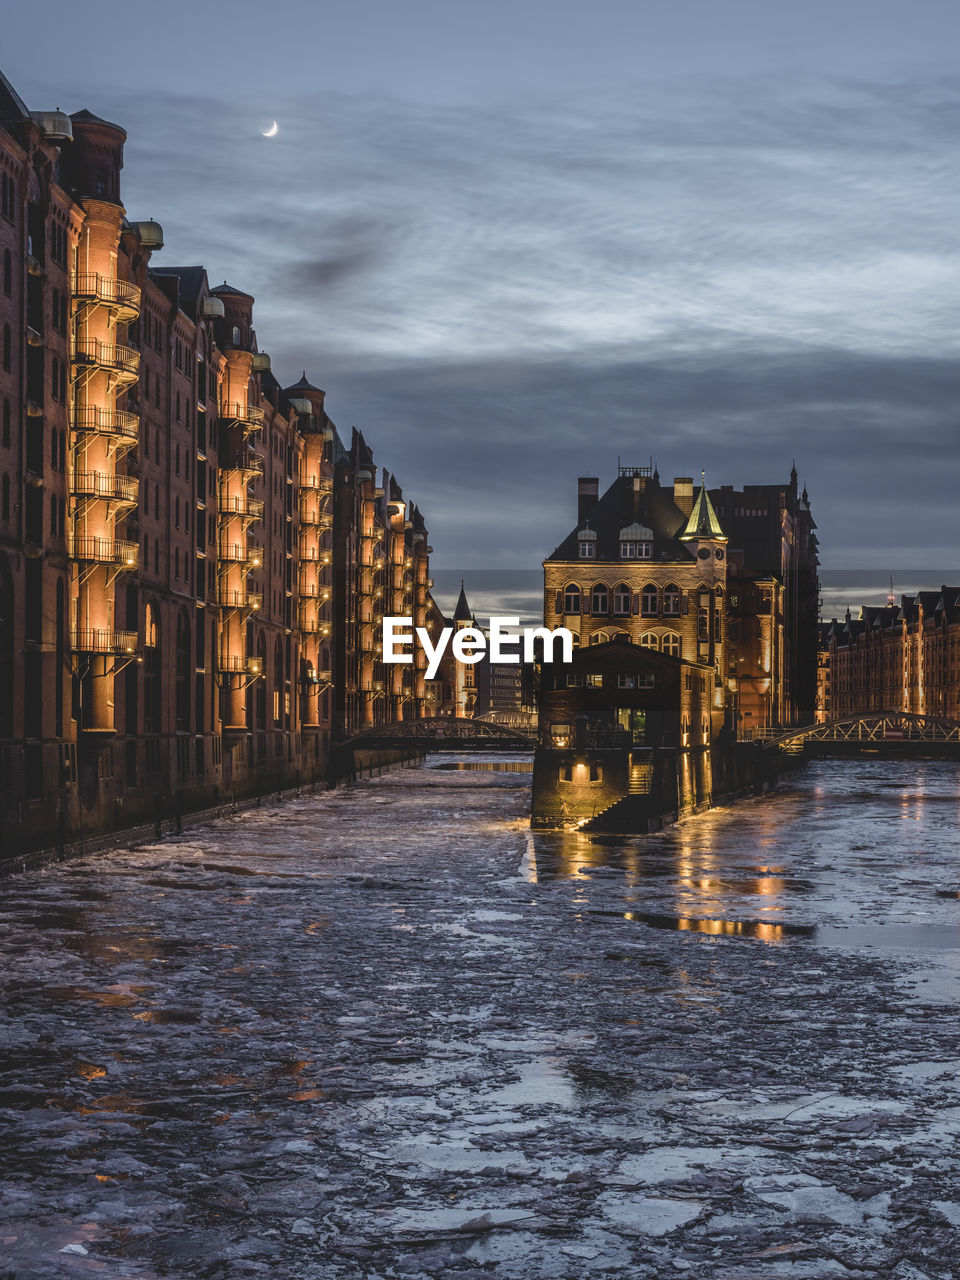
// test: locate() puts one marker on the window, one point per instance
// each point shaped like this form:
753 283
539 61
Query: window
671 644
7 272
626 681
7 349
559 735
649 640
600 598
671 600
599 637
571 598
621 598
587 548
649 601
593 681
6 424
574 680
633 550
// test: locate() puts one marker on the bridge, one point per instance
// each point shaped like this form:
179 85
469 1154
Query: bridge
870 732
444 733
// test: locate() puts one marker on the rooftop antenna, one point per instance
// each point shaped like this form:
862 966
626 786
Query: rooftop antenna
891 598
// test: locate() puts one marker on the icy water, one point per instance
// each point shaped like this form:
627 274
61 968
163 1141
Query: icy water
386 1032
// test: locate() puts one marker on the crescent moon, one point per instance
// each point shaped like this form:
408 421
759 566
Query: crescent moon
272 131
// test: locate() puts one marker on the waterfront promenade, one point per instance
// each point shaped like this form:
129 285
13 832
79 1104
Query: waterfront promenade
402 1037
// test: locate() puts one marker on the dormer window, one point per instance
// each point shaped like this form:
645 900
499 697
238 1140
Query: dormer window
630 550
636 542
587 544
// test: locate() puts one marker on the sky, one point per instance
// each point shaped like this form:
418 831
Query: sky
515 242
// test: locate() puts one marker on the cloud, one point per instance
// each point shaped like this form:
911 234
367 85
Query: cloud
720 273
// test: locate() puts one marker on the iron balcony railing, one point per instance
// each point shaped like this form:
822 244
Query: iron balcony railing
312 626
104 551
244 460
122 361
249 416
121 296
108 422
232 598
102 640
321 484
310 554
238 664
249 508
100 484
314 591
237 553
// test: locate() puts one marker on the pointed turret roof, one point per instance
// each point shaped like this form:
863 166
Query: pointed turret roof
463 612
703 522
304 384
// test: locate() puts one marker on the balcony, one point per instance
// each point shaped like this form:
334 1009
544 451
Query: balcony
312 626
122 425
319 484
314 555
97 485
248 416
245 461
231 598
246 508
318 677
237 553
313 512
237 664
100 640
104 551
314 591
123 363
122 298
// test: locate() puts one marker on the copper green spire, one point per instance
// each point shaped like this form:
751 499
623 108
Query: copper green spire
703 522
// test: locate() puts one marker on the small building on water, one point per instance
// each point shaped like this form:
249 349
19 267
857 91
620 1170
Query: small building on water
625 738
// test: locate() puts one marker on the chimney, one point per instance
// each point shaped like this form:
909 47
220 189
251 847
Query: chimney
588 489
683 493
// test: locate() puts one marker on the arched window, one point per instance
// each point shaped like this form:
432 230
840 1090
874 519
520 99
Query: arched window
600 598
151 672
599 637
575 638
649 640
671 644
621 598
649 601
671 600
571 598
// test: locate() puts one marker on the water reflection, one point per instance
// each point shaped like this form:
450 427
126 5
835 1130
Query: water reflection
848 851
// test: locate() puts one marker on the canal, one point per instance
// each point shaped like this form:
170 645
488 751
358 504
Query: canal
386 1032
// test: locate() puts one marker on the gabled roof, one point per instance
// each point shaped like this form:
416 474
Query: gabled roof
703 522
229 291
653 508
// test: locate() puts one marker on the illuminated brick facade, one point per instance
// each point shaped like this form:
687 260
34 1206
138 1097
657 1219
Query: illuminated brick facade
894 657
724 578
193 566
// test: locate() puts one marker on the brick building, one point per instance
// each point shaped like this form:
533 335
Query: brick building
894 657
193 565
725 578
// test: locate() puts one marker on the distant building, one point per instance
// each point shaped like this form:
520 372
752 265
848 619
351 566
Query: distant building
894 657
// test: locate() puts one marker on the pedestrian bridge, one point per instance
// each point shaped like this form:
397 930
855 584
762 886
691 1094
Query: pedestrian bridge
445 733
892 728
